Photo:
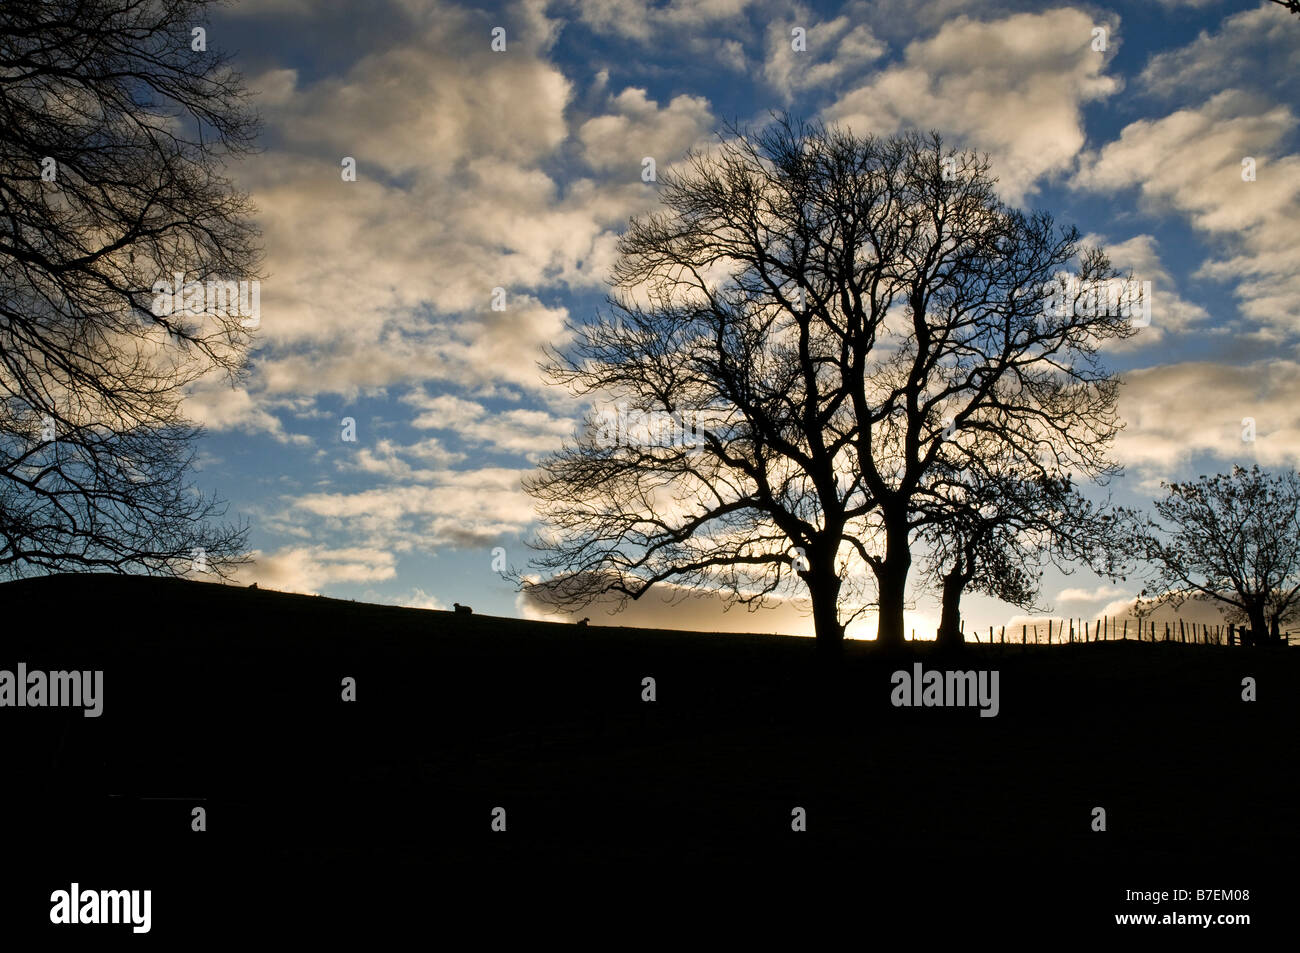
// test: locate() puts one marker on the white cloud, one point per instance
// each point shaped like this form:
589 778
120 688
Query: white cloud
501 347
454 508
637 127
1074 597
638 20
310 568
834 49
390 278
416 598
1191 162
1251 49
531 433
1139 256
1176 411
385 459
217 405
1121 620
1014 87
403 110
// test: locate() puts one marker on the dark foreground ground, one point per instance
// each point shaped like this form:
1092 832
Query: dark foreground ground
627 821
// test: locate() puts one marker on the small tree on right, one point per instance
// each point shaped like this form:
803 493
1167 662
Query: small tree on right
1233 538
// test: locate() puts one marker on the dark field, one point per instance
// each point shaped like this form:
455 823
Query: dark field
376 814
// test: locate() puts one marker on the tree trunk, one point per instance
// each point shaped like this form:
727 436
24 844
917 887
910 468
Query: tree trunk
824 589
1258 627
891 580
950 634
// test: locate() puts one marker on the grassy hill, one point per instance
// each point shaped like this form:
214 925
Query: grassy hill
230 699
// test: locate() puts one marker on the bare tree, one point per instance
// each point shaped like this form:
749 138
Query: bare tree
990 525
1230 538
115 124
838 317
997 535
977 548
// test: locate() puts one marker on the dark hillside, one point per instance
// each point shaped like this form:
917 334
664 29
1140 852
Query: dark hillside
230 699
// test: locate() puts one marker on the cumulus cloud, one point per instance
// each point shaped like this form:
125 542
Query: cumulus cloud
1099 593
1079 601
453 508
308 569
1139 256
216 405
1013 87
1191 162
1255 48
638 20
498 347
636 127
528 432
386 459
1177 411
390 278
416 598
833 49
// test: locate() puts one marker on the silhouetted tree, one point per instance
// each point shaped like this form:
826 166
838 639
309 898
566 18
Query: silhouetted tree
1232 538
828 311
994 536
115 125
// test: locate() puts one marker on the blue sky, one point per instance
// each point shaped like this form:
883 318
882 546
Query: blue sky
479 169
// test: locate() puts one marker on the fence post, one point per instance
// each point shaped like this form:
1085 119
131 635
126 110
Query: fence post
1003 635
1024 634
1124 637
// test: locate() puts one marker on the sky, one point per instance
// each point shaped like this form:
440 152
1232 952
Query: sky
479 169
